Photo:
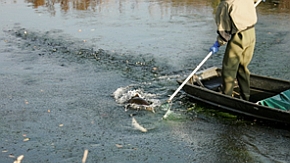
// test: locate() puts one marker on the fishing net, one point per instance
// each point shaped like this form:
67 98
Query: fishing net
279 101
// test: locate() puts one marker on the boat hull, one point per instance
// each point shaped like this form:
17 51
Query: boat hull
261 87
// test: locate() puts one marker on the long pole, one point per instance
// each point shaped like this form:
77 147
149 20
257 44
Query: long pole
258 2
186 80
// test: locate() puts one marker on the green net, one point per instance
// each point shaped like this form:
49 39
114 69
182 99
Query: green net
280 101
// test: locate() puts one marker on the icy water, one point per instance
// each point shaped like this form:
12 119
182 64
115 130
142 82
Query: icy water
67 67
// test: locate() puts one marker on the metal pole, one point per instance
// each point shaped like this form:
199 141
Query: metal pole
258 2
186 80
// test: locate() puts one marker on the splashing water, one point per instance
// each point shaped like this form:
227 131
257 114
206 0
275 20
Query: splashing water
123 94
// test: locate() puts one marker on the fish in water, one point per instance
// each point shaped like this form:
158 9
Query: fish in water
136 102
137 126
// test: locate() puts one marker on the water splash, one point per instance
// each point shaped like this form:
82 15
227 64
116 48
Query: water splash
123 94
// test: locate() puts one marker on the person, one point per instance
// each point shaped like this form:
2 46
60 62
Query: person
235 20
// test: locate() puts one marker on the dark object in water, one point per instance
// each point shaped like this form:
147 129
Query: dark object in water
138 100
138 103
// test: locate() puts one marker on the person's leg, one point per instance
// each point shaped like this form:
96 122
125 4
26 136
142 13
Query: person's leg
243 77
230 65
243 74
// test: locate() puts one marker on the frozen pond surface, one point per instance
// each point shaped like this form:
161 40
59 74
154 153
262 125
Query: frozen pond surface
66 68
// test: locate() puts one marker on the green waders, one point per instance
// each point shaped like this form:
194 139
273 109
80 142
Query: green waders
238 55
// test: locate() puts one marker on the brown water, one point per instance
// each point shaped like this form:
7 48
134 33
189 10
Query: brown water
61 62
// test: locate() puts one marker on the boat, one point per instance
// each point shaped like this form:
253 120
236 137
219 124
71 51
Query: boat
205 86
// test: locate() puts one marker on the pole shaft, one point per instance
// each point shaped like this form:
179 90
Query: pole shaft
193 72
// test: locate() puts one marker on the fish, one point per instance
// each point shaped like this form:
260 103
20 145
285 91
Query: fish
137 126
136 102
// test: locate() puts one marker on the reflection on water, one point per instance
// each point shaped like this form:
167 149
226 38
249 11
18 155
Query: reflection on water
66 5
270 6
99 5
86 4
276 6
281 4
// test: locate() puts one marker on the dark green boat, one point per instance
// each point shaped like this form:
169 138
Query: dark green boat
269 100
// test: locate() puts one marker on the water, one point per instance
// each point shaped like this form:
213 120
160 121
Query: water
68 67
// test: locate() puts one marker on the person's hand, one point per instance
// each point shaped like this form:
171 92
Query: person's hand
215 47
